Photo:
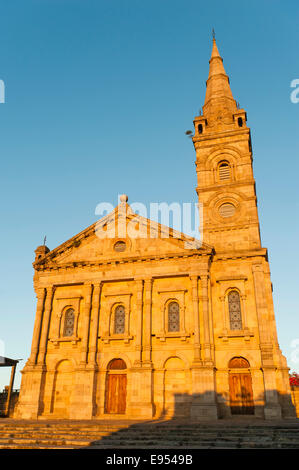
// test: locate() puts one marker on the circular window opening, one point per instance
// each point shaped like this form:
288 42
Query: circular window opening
120 246
227 210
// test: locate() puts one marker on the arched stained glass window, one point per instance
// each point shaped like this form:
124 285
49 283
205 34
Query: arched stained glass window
234 308
173 317
69 322
119 319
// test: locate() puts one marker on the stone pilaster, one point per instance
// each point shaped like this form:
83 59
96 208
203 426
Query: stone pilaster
140 404
81 406
94 324
139 322
41 295
203 406
147 339
206 318
86 323
272 407
45 325
194 284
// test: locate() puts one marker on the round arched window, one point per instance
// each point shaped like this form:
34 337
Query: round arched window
120 246
117 364
238 363
227 210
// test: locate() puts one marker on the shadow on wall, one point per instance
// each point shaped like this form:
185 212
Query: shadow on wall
184 405
166 427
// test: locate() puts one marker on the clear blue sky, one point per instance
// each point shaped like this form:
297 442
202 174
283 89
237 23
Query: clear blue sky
99 94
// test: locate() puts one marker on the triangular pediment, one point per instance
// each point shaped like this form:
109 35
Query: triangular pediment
120 235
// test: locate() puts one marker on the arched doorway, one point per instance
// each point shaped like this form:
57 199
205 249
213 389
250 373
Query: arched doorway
116 387
240 387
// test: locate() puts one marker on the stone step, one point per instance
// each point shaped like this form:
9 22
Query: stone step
167 435
144 436
175 445
48 434
146 429
35 446
62 427
201 439
53 441
129 434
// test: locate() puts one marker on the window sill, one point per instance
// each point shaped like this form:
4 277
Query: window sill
64 339
226 334
178 334
124 337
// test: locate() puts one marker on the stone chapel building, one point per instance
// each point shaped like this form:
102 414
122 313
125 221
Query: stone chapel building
156 326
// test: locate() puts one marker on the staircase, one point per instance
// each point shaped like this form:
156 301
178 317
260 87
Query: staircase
171 434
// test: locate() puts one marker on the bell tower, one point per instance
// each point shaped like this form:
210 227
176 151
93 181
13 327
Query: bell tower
225 182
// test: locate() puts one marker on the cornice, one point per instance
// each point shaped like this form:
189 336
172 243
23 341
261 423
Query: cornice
133 259
216 187
260 252
219 135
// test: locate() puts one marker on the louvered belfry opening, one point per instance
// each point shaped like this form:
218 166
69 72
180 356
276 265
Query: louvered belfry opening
224 171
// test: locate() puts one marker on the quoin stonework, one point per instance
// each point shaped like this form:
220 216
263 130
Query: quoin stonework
155 326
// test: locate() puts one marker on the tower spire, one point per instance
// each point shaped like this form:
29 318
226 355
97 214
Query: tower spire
219 100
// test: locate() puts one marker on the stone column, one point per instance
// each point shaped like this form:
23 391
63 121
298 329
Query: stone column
225 326
194 284
206 320
41 294
45 325
203 406
86 322
138 339
244 325
272 407
140 404
82 404
147 339
30 399
94 324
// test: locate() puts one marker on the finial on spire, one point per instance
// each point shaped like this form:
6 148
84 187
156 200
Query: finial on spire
213 33
123 198
45 238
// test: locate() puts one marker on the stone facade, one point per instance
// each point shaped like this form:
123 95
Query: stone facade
295 399
135 320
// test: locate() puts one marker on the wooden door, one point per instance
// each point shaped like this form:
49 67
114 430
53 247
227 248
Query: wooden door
116 393
241 396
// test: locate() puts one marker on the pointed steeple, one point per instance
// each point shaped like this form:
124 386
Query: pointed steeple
219 100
